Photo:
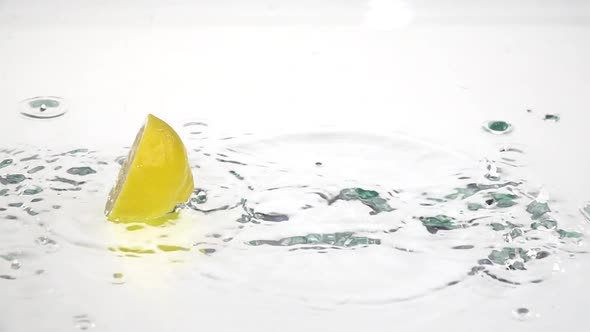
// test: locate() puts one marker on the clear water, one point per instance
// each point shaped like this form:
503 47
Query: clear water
324 221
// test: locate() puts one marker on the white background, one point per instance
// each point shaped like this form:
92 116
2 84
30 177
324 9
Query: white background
431 69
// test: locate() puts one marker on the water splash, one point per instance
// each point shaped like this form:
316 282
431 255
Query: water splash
439 219
43 107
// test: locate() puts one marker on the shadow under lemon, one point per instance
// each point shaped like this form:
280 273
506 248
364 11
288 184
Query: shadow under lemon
167 234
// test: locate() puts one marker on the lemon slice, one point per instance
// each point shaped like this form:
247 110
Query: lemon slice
155 177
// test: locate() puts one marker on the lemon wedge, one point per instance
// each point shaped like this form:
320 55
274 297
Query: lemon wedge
155 177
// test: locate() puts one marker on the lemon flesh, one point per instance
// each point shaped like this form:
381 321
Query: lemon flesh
155 177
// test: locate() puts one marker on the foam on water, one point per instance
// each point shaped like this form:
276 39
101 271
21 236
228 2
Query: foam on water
325 219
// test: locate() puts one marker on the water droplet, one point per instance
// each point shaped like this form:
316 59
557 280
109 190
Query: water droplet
504 200
121 160
553 117
199 197
68 181
492 173
463 247
474 206
15 264
521 313
48 243
169 248
571 235
497 127
12 179
585 209
508 256
33 157
83 322
438 223
545 222
35 169
32 191
369 198
236 174
188 124
81 171
537 209
207 251
31 212
229 161
5 163
272 216
43 107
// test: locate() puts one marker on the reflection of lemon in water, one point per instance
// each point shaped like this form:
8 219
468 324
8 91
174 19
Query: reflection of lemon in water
155 177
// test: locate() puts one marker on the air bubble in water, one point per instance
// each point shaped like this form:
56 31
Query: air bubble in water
43 107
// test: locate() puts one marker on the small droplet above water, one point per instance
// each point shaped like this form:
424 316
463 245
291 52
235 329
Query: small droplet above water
43 107
497 127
